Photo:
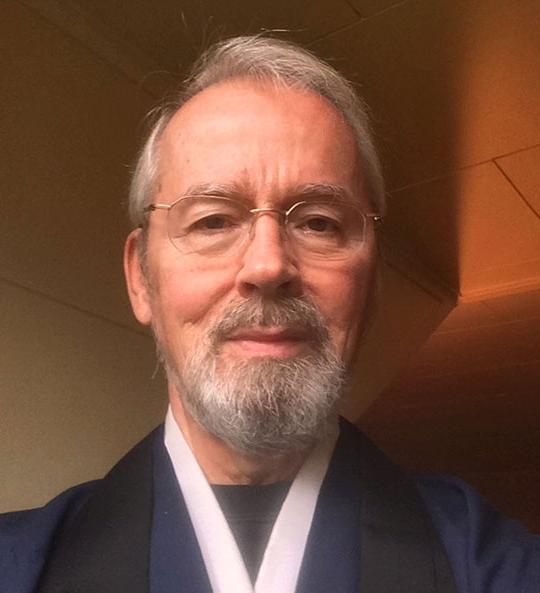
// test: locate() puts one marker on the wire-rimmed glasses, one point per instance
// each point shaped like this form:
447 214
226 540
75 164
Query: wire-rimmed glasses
218 225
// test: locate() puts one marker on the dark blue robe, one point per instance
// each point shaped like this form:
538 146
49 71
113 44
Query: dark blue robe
136 535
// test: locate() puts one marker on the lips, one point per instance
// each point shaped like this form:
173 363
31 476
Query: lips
271 334
265 341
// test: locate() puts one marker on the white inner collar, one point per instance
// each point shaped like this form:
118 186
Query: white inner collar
285 549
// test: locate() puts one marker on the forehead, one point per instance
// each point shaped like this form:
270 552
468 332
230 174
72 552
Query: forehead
259 135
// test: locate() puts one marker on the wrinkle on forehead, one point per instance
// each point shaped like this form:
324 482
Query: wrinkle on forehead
296 119
245 191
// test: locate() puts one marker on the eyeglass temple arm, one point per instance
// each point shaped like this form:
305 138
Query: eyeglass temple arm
375 216
152 207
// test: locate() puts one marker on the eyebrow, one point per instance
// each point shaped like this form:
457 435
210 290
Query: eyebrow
224 190
323 191
241 191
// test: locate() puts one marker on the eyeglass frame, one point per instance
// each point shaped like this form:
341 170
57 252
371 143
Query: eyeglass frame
376 217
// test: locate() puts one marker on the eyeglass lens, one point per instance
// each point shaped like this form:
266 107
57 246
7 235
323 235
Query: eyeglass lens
217 226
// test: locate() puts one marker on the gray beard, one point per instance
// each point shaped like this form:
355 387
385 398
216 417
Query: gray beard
263 406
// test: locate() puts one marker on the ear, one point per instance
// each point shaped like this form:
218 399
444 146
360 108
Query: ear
137 284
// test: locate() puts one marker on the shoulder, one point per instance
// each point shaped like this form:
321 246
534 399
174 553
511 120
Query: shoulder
26 536
489 552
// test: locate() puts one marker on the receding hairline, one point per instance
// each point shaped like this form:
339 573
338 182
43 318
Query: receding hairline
179 117
276 62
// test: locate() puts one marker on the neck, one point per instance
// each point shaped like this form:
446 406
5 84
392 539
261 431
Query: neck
223 465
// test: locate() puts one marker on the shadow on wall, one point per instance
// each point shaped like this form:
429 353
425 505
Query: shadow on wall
405 61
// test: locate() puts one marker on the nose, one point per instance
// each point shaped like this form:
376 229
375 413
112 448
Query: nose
268 267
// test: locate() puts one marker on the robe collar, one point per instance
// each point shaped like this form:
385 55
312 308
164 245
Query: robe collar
371 532
282 559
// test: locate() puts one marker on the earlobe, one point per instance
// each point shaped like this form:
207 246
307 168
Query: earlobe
137 283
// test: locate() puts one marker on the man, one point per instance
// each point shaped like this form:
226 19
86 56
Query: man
254 260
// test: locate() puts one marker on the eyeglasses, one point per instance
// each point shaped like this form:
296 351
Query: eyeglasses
216 225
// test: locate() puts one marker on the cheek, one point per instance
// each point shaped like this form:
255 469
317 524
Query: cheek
185 302
342 297
344 304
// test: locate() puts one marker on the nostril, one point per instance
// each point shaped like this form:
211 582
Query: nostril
268 270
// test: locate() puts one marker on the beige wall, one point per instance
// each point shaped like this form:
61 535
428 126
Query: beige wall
76 386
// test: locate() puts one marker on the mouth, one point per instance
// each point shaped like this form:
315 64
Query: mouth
268 341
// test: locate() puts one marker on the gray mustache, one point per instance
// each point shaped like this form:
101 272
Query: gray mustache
290 312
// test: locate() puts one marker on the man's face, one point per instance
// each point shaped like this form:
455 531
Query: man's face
268 144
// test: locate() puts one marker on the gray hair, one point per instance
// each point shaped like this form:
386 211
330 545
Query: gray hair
262 59
263 406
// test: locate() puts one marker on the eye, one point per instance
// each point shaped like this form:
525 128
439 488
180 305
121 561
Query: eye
318 221
320 224
210 216
206 225
212 223
216 223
